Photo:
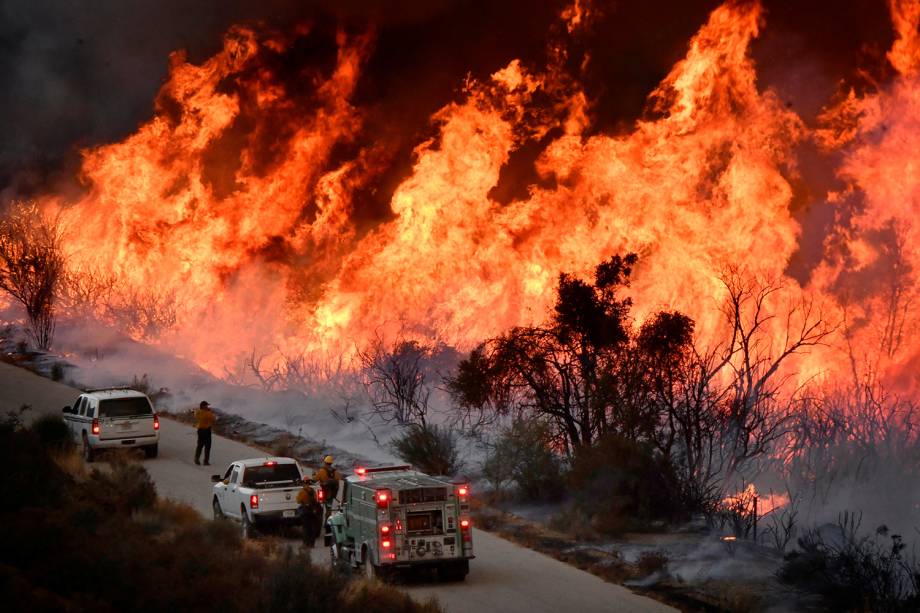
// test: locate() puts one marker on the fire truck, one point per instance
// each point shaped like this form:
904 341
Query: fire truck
393 517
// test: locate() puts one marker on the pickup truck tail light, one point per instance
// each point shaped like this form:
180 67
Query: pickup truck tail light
156 422
95 426
254 501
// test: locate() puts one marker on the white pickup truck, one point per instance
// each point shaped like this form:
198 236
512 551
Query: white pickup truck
113 418
259 493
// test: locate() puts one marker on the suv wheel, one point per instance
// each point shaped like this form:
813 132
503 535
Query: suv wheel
88 454
218 513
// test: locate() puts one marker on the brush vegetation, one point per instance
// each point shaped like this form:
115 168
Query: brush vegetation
103 541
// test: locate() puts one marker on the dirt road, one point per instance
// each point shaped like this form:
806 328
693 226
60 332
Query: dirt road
503 577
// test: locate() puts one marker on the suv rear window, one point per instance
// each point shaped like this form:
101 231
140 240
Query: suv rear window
256 476
124 407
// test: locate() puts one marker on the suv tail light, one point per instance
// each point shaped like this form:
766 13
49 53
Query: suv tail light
254 501
320 495
95 426
156 422
383 499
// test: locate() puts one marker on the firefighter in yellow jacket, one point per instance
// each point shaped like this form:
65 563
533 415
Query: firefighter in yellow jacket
204 421
311 512
328 478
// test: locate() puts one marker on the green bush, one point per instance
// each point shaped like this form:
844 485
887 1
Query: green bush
623 485
522 456
431 449
52 432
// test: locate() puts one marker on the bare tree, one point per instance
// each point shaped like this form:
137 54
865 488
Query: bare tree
87 292
397 381
32 265
761 401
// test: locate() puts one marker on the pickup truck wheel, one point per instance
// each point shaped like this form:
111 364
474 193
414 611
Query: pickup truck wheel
88 454
151 451
248 531
218 512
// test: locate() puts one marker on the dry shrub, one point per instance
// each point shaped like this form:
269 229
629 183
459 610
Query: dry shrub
576 523
363 596
176 512
125 489
651 562
854 572
53 433
71 462
88 546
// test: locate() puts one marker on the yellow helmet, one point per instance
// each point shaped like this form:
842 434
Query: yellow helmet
328 459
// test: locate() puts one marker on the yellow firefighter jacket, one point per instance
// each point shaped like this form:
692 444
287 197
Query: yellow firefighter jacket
204 419
324 474
306 496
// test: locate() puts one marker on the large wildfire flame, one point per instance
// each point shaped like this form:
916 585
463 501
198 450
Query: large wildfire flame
266 254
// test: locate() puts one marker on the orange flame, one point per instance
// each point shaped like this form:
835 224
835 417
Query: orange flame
266 255
765 504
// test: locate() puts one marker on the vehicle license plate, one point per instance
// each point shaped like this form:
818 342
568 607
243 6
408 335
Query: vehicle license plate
288 514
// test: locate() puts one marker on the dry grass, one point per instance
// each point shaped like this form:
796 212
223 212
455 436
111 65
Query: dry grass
374 597
71 462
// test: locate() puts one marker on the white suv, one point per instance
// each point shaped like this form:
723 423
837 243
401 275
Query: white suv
113 417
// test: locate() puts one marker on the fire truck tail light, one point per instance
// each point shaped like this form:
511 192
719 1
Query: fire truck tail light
463 491
254 501
386 544
384 529
95 426
360 471
156 422
465 524
383 499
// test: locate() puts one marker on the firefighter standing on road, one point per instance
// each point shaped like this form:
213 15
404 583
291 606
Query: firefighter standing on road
204 421
328 478
311 513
